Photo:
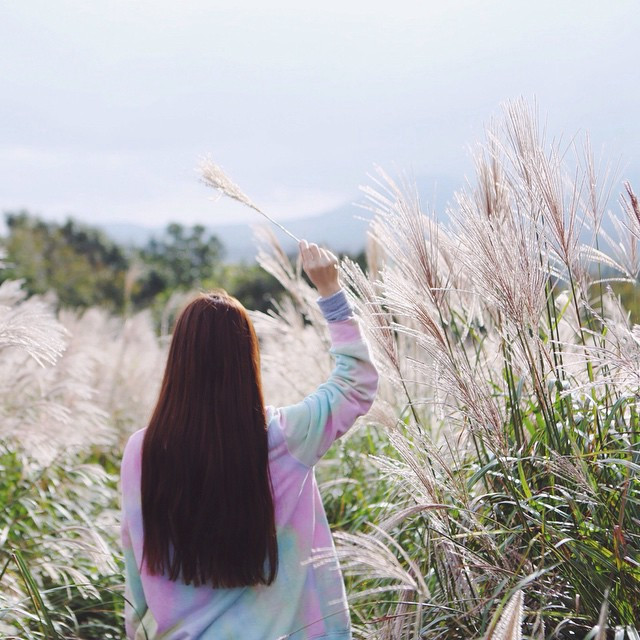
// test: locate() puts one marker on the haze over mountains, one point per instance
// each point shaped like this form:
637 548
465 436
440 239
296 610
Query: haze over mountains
340 230
343 229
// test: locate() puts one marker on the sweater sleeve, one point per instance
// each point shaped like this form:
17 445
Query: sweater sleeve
311 426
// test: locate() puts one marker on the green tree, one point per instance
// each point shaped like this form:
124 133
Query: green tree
184 258
250 284
79 263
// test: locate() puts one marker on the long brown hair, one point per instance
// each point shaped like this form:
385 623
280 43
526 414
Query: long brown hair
207 505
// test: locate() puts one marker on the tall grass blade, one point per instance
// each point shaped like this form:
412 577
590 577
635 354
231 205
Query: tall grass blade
34 593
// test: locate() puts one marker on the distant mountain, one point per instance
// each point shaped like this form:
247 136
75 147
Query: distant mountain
343 229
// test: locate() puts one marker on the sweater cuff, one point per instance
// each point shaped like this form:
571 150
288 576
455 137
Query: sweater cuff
335 307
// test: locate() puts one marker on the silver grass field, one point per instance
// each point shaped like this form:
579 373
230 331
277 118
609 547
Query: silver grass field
492 492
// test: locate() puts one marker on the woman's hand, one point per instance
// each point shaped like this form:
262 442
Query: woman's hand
322 268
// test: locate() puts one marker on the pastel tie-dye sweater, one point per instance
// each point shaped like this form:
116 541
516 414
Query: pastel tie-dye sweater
307 599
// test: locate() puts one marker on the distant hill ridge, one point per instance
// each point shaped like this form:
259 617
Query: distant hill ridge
343 230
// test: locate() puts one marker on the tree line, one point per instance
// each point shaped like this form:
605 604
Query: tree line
84 267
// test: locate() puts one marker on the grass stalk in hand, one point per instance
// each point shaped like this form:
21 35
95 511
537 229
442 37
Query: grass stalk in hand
213 176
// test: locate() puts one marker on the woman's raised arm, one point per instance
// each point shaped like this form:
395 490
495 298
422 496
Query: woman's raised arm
311 426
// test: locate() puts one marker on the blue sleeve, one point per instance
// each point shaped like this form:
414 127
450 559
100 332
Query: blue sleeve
335 307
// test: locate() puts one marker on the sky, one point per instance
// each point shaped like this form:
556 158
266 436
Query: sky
107 105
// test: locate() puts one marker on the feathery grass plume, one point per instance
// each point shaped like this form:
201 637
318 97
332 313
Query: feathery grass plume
275 261
542 181
616 361
376 321
598 183
401 206
29 325
295 326
45 409
415 284
214 176
509 626
626 246
374 556
375 256
122 359
99 391
272 258
500 247
285 379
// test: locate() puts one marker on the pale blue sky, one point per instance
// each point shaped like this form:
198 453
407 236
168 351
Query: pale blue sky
107 105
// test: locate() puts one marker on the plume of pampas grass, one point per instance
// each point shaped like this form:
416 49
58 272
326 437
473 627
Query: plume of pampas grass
29 325
99 383
375 319
214 176
369 555
509 626
500 248
125 375
287 380
398 208
275 261
626 247
541 180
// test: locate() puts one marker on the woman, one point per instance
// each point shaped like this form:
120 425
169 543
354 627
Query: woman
221 511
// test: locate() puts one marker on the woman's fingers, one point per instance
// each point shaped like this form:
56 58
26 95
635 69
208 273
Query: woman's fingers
314 251
315 257
304 248
311 253
321 266
329 257
304 251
